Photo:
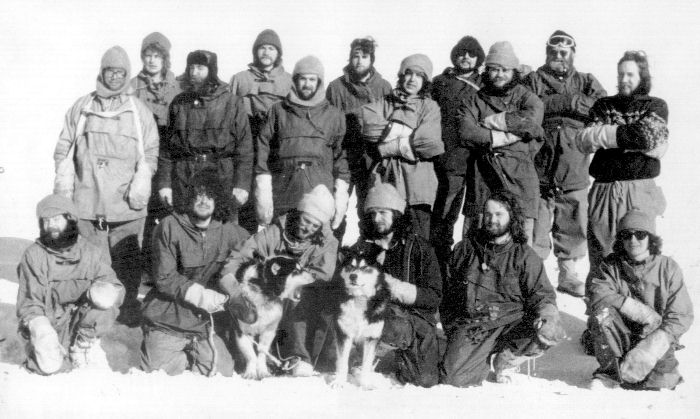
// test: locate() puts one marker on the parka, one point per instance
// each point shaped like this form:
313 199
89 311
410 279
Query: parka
416 181
157 96
510 167
261 90
184 255
301 147
567 103
656 282
206 132
52 282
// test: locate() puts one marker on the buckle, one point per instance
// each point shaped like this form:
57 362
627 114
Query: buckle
101 223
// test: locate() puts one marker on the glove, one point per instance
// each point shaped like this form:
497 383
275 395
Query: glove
238 306
403 292
295 281
48 350
204 298
264 207
342 197
641 313
240 196
639 362
139 191
501 139
166 196
646 134
548 326
397 142
522 127
104 294
589 140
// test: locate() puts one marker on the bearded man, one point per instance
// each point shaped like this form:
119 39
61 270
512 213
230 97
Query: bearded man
499 307
568 96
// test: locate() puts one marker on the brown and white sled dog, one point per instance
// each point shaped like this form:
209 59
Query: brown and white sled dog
266 283
362 313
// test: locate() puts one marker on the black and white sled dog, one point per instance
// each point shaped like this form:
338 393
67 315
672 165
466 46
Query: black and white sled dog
266 283
362 312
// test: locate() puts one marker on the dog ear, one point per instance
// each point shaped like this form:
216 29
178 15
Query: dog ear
247 271
382 288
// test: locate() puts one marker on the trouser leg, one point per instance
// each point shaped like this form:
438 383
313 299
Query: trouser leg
570 219
163 351
446 210
541 242
466 359
420 220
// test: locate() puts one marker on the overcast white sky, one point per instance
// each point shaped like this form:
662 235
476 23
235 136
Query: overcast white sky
50 53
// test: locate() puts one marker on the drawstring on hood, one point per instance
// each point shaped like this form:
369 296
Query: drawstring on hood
308 65
115 57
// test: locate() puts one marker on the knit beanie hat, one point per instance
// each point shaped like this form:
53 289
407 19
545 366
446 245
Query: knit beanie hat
553 41
115 57
502 54
54 205
471 45
384 195
318 203
367 45
156 40
267 37
637 220
309 65
419 63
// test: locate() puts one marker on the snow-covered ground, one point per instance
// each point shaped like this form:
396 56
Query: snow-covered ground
50 54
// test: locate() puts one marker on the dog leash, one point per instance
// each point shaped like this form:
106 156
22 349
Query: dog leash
281 363
210 340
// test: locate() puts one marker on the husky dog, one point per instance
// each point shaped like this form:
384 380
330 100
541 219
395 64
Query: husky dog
362 312
266 283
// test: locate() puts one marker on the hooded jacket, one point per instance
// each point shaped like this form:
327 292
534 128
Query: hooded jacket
510 167
107 155
157 96
215 126
494 284
317 258
348 96
184 255
416 181
52 282
567 103
301 146
261 90
656 282
448 90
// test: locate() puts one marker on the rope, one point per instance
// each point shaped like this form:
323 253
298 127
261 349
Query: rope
210 339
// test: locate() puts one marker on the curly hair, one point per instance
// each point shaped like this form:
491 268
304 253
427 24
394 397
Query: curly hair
206 182
515 210
639 57
655 244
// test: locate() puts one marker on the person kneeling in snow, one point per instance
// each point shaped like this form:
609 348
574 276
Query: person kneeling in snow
499 306
189 250
68 294
640 308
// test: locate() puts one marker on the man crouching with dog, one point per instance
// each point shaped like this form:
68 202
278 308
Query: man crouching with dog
499 308
189 250
412 273
302 234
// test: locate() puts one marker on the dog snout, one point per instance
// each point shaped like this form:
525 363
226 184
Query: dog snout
353 279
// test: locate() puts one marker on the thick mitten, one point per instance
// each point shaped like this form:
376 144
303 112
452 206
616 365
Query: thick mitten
550 331
642 358
641 313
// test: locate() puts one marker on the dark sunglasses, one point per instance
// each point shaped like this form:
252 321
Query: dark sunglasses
638 234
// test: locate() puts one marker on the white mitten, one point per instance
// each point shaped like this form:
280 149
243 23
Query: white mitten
501 139
104 294
166 196
204 298
589 140
342 197
264 207
48 350
240 195
140 187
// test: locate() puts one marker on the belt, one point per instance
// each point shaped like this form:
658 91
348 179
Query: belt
203 157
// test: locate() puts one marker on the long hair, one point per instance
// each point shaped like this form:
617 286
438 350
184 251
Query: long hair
639 57
515 210
206 182
401 225
165 54
293 222
655 245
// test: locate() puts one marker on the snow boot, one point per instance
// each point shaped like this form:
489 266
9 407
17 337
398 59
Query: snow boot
86 352
568 278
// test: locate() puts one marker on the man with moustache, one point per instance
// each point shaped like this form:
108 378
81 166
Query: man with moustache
68 295
262 85
640 308
189 250
300 146
499 307
209 130
568 96
105 159
449 88
303 234
628 133
359 85
412 273
403 136
156 86
500 126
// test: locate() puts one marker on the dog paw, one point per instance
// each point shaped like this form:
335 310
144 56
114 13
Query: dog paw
263 372
339 383
250 374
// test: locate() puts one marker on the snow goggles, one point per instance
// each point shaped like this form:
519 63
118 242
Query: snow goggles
561 41
638 234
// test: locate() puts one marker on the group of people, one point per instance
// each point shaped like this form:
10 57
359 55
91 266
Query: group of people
191 177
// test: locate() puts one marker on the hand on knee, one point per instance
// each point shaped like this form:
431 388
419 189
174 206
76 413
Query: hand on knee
48 351
105 295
